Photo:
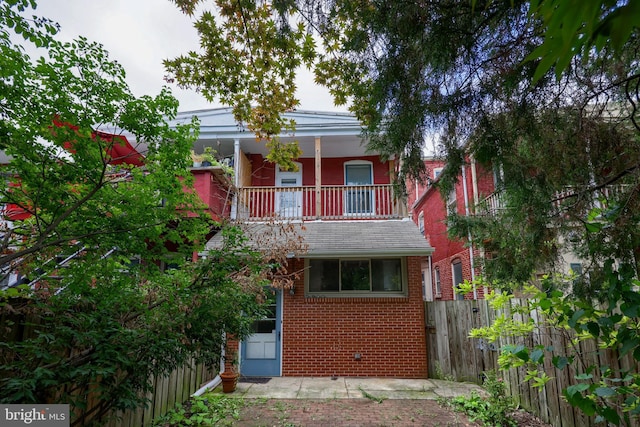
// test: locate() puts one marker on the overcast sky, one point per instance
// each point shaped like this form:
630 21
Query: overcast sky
140 34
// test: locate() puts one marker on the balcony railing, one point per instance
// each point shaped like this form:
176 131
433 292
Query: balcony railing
494 203
490 205
310 203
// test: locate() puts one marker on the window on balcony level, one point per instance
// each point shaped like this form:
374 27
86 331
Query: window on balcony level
359 200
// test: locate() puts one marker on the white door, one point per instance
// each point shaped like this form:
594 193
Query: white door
359 200
289 200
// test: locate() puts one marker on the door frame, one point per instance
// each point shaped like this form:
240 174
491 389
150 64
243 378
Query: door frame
297 195
275 368
358 194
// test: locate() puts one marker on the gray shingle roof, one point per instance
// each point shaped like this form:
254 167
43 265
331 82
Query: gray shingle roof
357 238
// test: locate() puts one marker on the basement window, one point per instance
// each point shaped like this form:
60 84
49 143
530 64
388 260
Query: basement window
355 276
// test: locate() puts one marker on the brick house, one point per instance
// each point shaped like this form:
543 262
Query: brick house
357 309
453 261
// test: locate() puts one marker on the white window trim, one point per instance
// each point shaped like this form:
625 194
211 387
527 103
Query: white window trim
436 279
296 211
357 294
421 226
452 202
373 195
453 277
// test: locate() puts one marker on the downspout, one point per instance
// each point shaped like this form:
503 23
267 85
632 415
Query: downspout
476 200
467 213
431 278
214 382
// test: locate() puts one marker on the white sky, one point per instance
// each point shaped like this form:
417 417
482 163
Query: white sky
139 34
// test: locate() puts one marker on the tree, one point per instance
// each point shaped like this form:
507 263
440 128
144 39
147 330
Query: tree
406 69
105 240
545 92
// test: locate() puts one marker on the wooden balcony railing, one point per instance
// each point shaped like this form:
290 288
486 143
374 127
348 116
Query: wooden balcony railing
309 203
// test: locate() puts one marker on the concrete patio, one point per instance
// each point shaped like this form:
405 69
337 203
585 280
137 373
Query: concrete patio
349 388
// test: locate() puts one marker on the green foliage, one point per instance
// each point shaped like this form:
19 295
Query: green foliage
205 410
113 298
572 32
370 396
493 410
413 72
248 58
613 394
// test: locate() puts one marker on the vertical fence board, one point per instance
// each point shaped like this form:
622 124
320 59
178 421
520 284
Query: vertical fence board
443 339
452 353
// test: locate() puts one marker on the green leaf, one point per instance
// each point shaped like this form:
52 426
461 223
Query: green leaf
545 304
577 315
605 391
629 344
560 362
584 377
593 227
610 415
576 389
537 355
593 328
521 352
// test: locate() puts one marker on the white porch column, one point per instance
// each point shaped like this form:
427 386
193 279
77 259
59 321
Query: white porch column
236 177
318 164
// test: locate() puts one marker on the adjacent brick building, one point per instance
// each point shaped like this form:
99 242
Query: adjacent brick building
453 260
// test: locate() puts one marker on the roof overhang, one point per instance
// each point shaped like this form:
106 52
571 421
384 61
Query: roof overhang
340 133
344 239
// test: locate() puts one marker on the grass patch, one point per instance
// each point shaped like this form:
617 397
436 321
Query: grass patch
206 410
371 396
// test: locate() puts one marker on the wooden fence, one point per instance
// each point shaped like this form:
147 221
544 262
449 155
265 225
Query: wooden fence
167 390
452 354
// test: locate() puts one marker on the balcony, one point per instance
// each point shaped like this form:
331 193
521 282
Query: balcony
337 202
491 205
586 199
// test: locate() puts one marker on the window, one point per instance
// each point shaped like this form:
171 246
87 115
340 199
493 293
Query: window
576 267
355 276
456 270
436 172
452 205
359 174
427 290
421 223
436 280
576 270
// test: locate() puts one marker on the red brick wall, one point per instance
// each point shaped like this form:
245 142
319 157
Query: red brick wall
321 335
447 250
485 181
332 169
446 274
